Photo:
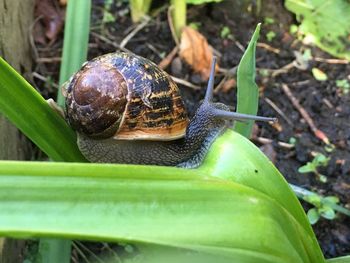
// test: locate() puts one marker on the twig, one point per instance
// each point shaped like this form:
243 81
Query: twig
167 60
38 76
31 37
218 88
284 69
264 140
268 47
80 252
171 26
185 83
134 32
278 110
108 41
303 193
49 60
318 133
155 51
240 46
80 244
331 60
328 103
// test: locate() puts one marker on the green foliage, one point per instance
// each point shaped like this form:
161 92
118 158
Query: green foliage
226 33
270 35
25 107
319 74
139 8
178 16
269 20
247 215
236 205
323 207
108 17
195 25
199 2
344 85
325 22
247 90
76 36
311 167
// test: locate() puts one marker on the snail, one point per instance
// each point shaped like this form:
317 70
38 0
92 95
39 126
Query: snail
127 110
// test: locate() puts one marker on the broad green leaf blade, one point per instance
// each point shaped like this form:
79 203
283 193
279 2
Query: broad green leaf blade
247 90
325 22
345 259
142 204
76 40
25 108
235 158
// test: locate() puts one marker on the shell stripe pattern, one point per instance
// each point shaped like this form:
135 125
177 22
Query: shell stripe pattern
155 110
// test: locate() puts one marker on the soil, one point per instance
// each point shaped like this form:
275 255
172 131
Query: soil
327 105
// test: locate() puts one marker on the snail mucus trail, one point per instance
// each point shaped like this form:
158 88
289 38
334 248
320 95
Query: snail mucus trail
127 110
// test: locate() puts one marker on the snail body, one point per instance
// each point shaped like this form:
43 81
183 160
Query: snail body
127 110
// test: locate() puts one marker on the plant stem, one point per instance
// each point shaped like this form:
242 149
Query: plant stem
179 16
302 193
54 250
139 8
75 47
76 39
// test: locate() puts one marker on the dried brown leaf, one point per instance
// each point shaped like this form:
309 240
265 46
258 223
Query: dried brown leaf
63 2
195 50
228 85
52 17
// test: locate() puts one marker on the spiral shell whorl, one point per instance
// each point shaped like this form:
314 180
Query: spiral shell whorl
96 100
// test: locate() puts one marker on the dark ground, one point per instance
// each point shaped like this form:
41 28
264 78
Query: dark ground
324 102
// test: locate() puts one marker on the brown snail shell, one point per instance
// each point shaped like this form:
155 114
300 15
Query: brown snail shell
126 97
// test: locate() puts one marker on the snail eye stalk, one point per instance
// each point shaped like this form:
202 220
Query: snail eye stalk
227 114
210 88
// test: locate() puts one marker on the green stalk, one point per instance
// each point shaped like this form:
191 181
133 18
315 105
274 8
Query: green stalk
54 250
75 47
247 90
76 40
139 8
179 16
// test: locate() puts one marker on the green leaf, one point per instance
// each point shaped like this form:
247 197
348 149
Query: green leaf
326 22
345 259
247 93
320 160
270 36
322 178
307 168
327 212
314 199
238 160
25 108
319 74
313 216
225 32
199 2
331 199
76 40
153 205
